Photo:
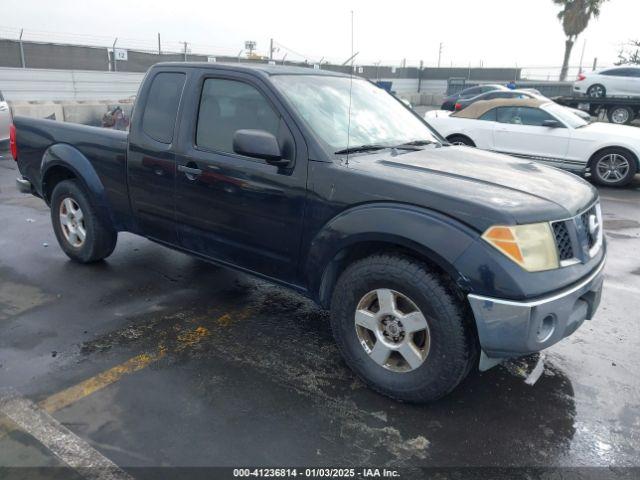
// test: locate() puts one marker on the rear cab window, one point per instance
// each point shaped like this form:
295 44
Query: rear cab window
161 108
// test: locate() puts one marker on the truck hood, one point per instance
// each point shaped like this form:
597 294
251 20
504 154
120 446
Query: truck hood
480 187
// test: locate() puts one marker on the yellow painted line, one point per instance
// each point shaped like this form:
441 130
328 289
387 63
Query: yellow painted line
69 396
83 389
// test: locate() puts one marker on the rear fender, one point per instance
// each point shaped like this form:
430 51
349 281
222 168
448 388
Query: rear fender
66 156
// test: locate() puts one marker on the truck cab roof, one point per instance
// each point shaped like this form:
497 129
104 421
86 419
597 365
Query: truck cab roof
261 68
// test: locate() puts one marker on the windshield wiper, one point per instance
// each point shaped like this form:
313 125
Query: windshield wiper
418 143
361 148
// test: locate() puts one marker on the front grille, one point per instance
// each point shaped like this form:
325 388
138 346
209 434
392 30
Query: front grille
584 220
563 241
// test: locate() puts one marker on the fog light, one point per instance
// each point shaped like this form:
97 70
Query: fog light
546 328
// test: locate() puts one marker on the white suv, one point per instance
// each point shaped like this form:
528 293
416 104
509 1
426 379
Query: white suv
611 82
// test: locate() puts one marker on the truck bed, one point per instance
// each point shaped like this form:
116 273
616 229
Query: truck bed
104 148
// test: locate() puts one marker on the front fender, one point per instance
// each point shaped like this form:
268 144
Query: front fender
69 157
431 234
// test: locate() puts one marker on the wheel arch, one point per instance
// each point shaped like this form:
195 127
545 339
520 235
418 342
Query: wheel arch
62 162
461 135
426 235
602 148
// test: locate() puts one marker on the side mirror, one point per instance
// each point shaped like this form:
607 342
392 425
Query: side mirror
552 124
258 144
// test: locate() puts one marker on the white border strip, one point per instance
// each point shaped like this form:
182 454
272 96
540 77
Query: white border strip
60 441
535 303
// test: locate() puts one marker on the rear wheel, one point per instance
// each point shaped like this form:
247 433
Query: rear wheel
597 91
460 140
401 329
621 115
80 233
613 167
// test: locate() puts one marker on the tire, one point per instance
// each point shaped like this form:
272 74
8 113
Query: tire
447 346
601 161
620 115
460 140
597 91
71 214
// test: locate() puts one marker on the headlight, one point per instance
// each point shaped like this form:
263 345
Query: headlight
533 246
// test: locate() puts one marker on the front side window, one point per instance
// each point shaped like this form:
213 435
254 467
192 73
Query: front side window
324 102
161 109
523 116
230 105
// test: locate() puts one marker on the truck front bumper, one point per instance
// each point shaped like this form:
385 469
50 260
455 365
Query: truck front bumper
509 328
23 185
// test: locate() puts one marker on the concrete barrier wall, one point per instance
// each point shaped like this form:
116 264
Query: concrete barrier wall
89 113
31 84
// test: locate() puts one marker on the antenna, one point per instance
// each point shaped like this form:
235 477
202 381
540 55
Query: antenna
350 88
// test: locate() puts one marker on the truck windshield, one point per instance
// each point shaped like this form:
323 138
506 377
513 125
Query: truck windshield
376 117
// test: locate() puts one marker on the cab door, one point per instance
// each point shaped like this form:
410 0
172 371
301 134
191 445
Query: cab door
519 131
151 159
230 207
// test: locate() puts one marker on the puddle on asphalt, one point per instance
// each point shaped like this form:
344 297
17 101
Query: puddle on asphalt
285 339
17 298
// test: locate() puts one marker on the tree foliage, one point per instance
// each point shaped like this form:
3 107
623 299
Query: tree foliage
575 16
629 55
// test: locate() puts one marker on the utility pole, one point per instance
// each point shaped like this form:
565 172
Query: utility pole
159 47
185 50
350 58
440 54
115 62
420 76
271 49
595 63
584 45
21 49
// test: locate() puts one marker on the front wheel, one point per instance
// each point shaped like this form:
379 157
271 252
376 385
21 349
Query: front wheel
613 167
401 329
80 233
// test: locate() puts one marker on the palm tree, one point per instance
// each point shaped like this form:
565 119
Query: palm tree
575 16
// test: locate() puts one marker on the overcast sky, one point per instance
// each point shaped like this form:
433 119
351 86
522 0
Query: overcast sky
496 32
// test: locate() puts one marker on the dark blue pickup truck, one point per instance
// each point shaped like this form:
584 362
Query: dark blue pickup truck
433 259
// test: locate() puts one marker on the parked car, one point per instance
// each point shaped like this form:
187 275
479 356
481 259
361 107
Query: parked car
433 259
5 121
519 93
450 101
464 103
609 82
545 132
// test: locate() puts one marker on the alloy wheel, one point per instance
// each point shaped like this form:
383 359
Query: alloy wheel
72 222
392 330
612 168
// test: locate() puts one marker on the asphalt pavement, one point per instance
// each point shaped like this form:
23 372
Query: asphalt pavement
153 358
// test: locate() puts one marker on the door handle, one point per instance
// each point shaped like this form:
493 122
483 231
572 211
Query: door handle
190 172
